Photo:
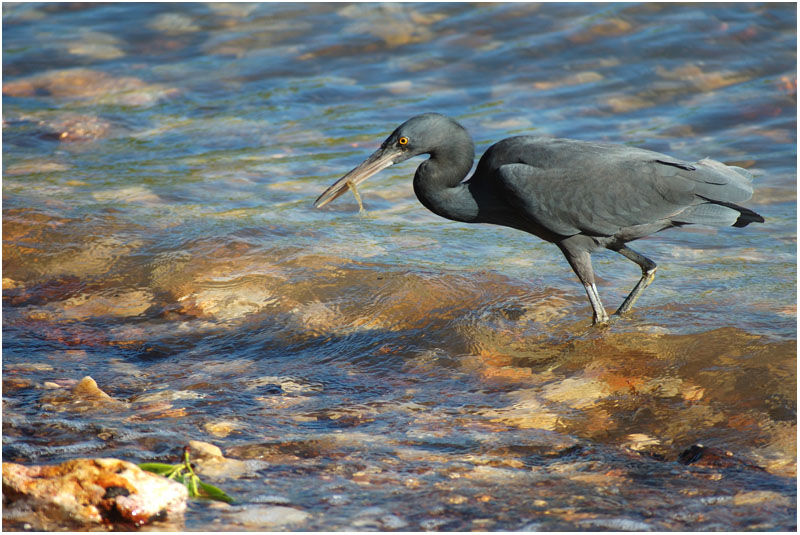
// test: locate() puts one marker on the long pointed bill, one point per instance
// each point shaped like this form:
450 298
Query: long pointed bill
379 160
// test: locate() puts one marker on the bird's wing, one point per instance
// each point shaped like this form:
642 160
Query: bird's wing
573 187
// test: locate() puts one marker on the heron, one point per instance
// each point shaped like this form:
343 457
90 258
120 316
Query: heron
581 196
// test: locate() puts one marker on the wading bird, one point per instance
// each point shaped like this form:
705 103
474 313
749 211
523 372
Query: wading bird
579 195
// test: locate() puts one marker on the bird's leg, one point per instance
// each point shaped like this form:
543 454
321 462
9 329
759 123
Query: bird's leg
599 314
581 263
648 274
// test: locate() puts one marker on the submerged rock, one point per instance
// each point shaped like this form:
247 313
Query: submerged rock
84 492
72 127
120 304
270 517
89 84
616 524
84 396
699 455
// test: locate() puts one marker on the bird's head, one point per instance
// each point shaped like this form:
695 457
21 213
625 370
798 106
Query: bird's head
422 134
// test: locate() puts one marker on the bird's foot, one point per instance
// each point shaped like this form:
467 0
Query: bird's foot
608 321
615 317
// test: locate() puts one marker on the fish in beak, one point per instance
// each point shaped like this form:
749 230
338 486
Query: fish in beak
379 160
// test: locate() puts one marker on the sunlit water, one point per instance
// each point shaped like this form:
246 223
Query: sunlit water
395 370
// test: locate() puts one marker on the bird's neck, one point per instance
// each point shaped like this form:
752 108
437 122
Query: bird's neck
438 182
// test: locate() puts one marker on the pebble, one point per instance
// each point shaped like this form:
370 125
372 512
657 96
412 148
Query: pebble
96 50
433 524
168 395
29 167
78 127
268 518
534 526
130 194
222 428
338 499
271 498
16 383
392 521
211 463
30 367
204 449
174 24
617 524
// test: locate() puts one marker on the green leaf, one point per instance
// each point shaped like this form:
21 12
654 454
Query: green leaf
192 486
214 493
160 468
184 474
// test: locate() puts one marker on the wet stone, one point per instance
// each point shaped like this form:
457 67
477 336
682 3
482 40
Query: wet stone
338 499
84 396
758 497
222 428
702 456
617 524
434 524
211 463
168 395
88 84
35 166
269 517
204 449
16 383
88 492
118 304
77 128
271 498
227 303
174 24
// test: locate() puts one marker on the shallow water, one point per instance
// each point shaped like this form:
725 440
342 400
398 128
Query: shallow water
395 370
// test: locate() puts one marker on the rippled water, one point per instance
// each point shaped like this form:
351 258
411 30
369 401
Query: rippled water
395 370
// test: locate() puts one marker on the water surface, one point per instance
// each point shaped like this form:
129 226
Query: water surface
395 370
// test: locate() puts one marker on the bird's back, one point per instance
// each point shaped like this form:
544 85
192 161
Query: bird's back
571 187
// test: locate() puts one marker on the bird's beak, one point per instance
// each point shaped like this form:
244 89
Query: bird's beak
379 160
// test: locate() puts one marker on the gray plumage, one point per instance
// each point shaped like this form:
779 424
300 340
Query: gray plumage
581 196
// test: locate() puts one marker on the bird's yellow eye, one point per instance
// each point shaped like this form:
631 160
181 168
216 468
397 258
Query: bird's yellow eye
403 141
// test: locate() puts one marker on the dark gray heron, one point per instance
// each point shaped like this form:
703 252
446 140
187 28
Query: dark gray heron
581 196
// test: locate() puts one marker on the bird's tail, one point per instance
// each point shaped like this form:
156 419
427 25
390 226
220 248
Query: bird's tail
720 186
717 213
746 215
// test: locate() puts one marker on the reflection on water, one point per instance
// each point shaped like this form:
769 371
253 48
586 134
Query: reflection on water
393 370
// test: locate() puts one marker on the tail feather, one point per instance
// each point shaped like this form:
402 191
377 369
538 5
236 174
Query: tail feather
717 214
746 215
717 181
720 186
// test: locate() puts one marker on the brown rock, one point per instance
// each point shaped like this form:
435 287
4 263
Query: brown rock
88 389
86 492
84 396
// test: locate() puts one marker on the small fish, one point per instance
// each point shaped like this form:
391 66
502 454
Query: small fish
352 187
